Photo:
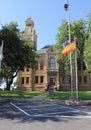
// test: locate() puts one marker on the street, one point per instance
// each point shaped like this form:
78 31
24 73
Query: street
43 115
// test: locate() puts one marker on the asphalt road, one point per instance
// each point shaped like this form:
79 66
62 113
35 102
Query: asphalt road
41 115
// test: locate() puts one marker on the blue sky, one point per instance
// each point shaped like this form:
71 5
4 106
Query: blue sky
47 15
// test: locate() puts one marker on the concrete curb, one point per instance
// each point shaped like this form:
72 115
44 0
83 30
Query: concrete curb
72 102
63 102
14 99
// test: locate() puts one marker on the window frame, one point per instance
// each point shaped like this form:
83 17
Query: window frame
52 63
22 80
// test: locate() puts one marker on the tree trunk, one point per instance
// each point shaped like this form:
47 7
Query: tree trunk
9 81
8 84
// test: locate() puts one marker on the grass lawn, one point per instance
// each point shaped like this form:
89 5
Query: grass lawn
19 94
63 95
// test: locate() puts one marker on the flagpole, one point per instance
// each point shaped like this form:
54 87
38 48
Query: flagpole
1 53
66 6
76 71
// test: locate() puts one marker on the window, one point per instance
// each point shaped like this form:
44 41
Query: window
52 63
27 79
85 79
64 79
41 79
80 79
68 79
22 80
41 65
27 69
36 79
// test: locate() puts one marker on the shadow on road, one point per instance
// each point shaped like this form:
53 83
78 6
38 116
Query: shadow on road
7 111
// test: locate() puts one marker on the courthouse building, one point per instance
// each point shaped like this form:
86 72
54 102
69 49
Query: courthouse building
47 70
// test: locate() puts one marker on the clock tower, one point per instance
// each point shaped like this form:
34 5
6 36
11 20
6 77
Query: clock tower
26 77
29 32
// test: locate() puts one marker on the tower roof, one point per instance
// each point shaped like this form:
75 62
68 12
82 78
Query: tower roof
29 22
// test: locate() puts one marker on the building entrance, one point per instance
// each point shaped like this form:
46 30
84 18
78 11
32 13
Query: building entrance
52 80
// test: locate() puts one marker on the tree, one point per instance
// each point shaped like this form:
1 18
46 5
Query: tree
61 42
87 47
17 53
78 30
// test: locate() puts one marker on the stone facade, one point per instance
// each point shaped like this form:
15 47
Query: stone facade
47 70
26 77
29 32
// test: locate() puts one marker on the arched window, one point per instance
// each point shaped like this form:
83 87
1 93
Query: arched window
52 63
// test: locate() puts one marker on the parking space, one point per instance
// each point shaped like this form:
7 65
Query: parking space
32 109
43 115
9 112
48 109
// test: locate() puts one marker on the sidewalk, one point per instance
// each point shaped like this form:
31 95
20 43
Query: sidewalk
40 97
36 98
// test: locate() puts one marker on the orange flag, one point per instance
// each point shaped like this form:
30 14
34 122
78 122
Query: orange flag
69 48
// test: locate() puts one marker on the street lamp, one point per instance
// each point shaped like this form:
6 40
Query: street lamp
66 7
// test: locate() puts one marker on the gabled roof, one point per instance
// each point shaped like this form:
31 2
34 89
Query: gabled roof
44 49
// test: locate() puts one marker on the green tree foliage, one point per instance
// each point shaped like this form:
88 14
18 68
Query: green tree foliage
77 30
87 47
62 41
17 53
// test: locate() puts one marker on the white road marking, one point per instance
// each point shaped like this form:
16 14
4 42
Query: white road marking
54 113
59 116
19 109
76 110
